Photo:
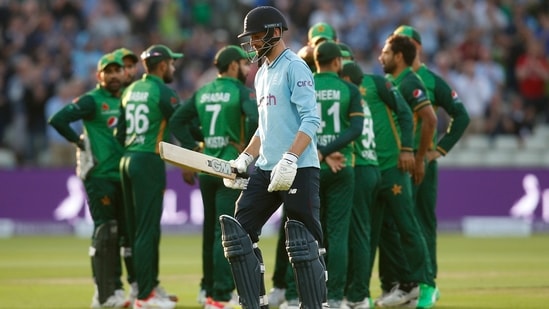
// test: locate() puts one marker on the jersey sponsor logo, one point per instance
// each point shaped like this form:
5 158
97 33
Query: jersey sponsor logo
216 141
104 106
328 94
215 97
305 83
267 100
139 96
417 93
112 122
220 166
174 101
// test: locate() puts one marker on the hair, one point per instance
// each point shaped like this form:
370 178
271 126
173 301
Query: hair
404 45
151 64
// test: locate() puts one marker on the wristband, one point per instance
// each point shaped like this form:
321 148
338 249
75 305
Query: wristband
290 157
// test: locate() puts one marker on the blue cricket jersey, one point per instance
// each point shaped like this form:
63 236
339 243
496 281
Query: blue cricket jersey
286 103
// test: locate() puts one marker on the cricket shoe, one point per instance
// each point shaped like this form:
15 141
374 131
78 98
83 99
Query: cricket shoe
134 290
290 304
276 297
154 301
201 298
366 303
162 293
398 296
427 298
215 304
117 300
336 304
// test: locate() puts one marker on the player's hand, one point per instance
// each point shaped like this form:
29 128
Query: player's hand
419 170
432 155
406 161
189 177
336 161
283 174
237 184
241 163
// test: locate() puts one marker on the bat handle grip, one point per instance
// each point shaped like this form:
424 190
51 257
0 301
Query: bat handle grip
240 175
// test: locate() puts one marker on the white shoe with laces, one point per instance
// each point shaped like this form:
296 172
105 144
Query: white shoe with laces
398 297
276 297
154 301
117 300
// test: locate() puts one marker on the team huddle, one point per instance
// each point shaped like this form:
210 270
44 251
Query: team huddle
350 156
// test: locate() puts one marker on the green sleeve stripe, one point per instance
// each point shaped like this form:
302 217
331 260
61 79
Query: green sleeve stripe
422 105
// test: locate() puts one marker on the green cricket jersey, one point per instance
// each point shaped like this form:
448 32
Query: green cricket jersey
147 104
227 112
341 115
99 110
441 95
392 119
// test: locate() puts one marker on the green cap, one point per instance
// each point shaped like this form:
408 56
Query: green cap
124 52
156 53
228 54
106 59
353 70
346 51
410 32
326 51
321 31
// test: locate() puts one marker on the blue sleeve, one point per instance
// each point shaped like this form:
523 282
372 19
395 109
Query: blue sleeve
302 89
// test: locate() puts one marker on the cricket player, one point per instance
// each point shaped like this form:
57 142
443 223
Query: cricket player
227 114
146 107
425 193
342 121
130 61
98 159
417 282
287 168
283 284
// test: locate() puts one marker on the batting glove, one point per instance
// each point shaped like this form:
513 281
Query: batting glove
283 174
237 183
241 163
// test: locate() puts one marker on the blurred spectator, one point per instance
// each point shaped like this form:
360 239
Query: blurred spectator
532 71
475 93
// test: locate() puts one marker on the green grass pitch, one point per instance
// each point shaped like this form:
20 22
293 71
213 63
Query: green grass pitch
477 273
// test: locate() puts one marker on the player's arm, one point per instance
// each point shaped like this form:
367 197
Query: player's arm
449 100
356 123
82 108
181 121
390 95
304 98
415 94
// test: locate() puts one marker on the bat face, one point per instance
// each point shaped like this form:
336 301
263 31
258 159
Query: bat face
197 161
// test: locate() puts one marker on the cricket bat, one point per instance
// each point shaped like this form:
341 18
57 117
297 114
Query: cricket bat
197 161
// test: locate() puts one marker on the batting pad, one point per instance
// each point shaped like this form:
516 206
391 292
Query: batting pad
246 263
308 265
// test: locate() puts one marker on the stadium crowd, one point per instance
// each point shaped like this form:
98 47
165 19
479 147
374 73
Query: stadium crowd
493 52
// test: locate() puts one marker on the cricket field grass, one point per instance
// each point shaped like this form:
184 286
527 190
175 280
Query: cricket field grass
54 271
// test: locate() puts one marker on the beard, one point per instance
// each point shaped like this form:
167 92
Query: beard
389 67
240 76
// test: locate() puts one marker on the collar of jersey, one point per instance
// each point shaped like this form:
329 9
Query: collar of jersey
275 62
402 74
